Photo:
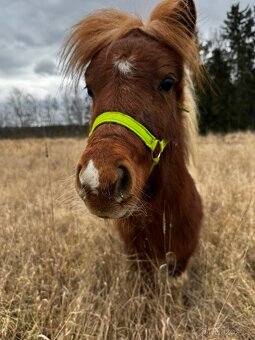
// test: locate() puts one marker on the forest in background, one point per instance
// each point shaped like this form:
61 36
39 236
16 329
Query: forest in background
227 103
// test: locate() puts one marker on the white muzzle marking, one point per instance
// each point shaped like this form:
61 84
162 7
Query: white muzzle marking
90 177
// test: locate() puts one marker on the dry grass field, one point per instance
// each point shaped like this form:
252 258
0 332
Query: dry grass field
63 274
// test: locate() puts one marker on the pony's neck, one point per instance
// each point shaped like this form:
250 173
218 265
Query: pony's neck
167 183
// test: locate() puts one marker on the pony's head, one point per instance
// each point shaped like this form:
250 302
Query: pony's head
138 70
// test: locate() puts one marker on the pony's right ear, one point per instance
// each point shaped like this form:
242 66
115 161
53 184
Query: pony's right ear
90 35
178 13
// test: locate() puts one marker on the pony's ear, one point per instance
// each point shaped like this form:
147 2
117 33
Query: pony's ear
90 35
173 22
180 13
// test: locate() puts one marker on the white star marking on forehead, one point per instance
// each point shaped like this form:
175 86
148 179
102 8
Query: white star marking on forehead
124 66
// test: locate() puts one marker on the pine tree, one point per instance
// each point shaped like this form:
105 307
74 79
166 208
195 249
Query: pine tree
239 34
215 102
231 65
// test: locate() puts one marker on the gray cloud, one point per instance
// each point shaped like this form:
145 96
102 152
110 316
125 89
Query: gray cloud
13 58
45 67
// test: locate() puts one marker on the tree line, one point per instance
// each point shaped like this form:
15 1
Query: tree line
226 104
228 101
24 110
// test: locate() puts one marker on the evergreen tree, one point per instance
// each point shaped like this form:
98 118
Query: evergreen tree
239 33
215 102
231 65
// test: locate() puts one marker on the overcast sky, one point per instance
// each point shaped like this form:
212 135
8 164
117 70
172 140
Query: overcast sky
32 31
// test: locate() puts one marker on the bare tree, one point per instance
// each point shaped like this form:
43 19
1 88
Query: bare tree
21 108
49 110
76 109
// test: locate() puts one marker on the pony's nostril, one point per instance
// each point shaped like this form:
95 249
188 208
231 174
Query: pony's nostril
123 184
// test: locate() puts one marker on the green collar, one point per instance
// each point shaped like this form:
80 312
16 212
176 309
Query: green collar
156 146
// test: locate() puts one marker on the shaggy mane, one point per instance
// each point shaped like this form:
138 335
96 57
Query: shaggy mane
98 30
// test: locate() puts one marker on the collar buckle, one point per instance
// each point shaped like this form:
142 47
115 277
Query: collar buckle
156 153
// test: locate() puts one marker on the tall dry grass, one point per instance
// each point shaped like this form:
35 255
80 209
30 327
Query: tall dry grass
63 274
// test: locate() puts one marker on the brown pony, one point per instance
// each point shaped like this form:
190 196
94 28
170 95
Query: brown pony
142 70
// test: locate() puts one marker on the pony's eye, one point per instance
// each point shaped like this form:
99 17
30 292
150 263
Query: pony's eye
166 84
90 92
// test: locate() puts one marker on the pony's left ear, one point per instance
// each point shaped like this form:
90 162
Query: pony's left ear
176 13
173 22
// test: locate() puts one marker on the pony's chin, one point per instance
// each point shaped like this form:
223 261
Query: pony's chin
114 214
